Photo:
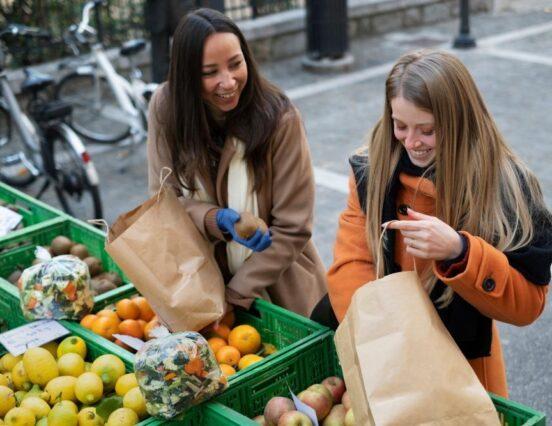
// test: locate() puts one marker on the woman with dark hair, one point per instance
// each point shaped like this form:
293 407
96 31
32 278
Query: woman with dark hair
236 144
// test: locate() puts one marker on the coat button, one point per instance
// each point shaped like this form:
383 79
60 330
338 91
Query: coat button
489 284
402 209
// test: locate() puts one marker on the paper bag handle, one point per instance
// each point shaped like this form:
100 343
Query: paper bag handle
162 179
385 225
101 222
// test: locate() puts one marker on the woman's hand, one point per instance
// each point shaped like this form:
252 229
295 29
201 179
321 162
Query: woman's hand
428 237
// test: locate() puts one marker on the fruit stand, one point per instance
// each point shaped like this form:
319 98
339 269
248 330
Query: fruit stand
263 353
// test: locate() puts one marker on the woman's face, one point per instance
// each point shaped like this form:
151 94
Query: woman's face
415 129
224 71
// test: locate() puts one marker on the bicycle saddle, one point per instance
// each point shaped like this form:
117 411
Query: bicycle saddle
35 81
132 46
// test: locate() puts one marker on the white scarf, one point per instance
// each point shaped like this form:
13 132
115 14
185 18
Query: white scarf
241 197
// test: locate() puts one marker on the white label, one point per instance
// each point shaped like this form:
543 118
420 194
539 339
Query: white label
133 342
8 220
31 335
304 408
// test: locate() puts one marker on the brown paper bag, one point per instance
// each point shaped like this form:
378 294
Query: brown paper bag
167 259
401 365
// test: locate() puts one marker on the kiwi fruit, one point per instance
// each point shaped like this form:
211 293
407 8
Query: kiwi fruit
114 277
101 285
14 276
248 224
94 265
61 245
80 251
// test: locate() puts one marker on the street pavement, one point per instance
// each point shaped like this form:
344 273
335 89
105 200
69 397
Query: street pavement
512 66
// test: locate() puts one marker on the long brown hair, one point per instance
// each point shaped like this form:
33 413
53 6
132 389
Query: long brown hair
482 187
187 124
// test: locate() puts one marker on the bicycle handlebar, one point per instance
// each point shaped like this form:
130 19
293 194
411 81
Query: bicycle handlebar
84 28
15 30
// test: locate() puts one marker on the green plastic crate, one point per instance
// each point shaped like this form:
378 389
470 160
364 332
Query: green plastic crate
299 368
17 249
32 210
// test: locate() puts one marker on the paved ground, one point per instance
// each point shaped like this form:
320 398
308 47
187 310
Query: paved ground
513 68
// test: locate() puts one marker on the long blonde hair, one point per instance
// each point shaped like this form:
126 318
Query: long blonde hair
481 186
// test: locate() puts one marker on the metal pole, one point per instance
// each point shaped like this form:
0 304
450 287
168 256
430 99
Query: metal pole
464 40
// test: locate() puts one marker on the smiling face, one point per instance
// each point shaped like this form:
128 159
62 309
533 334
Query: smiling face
224 72
415 129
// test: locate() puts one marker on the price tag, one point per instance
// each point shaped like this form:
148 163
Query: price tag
37 333
304 408
8 220
133 342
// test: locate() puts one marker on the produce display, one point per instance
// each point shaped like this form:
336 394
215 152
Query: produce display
58 288
177 372
100 281
57 385
328 399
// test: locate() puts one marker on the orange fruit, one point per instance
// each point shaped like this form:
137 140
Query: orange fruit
245 338
220 330
131 328
228 319
150 326
109 314
227 370
216 343
105 327
228 355
146 313
247 360
142 323
127 309
88 320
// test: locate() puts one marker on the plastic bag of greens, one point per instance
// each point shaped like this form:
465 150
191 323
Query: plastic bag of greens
176 372
56 288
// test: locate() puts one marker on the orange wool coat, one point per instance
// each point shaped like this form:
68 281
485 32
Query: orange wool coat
513 300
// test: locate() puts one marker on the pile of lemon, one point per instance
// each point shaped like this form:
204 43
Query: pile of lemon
54 385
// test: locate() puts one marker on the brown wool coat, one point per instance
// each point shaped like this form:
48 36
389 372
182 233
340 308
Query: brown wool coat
289 273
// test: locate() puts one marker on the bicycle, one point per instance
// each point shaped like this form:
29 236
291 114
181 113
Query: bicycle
108 108
43 145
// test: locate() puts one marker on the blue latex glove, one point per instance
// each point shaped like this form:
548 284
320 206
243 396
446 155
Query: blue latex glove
227 218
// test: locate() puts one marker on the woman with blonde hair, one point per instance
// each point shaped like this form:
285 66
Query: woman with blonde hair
466 213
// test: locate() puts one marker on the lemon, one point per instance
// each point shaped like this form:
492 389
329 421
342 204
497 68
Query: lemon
70 364
89 388
109 368
51 347
136 402
7 400
37 405
88 417
8 361
19 377
72 344
4 380
68 404
20 416
247 360
42 422
122 417
125 383
62 416
8 377
40 365
61 388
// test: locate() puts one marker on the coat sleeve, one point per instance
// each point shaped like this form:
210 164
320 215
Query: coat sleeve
290 216
353 262
202 213
494 287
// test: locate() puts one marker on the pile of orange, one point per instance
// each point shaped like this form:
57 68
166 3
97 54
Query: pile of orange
132 317
236 348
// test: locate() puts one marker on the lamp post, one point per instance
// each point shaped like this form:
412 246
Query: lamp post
464 40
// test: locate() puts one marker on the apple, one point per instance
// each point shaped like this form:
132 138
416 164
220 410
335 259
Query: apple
336 386
321 389
320 402
294 418
346 400
274 409
260 419
350 418
336 416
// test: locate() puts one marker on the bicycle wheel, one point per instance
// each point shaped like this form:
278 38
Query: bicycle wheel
74 178
96 113
15 165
